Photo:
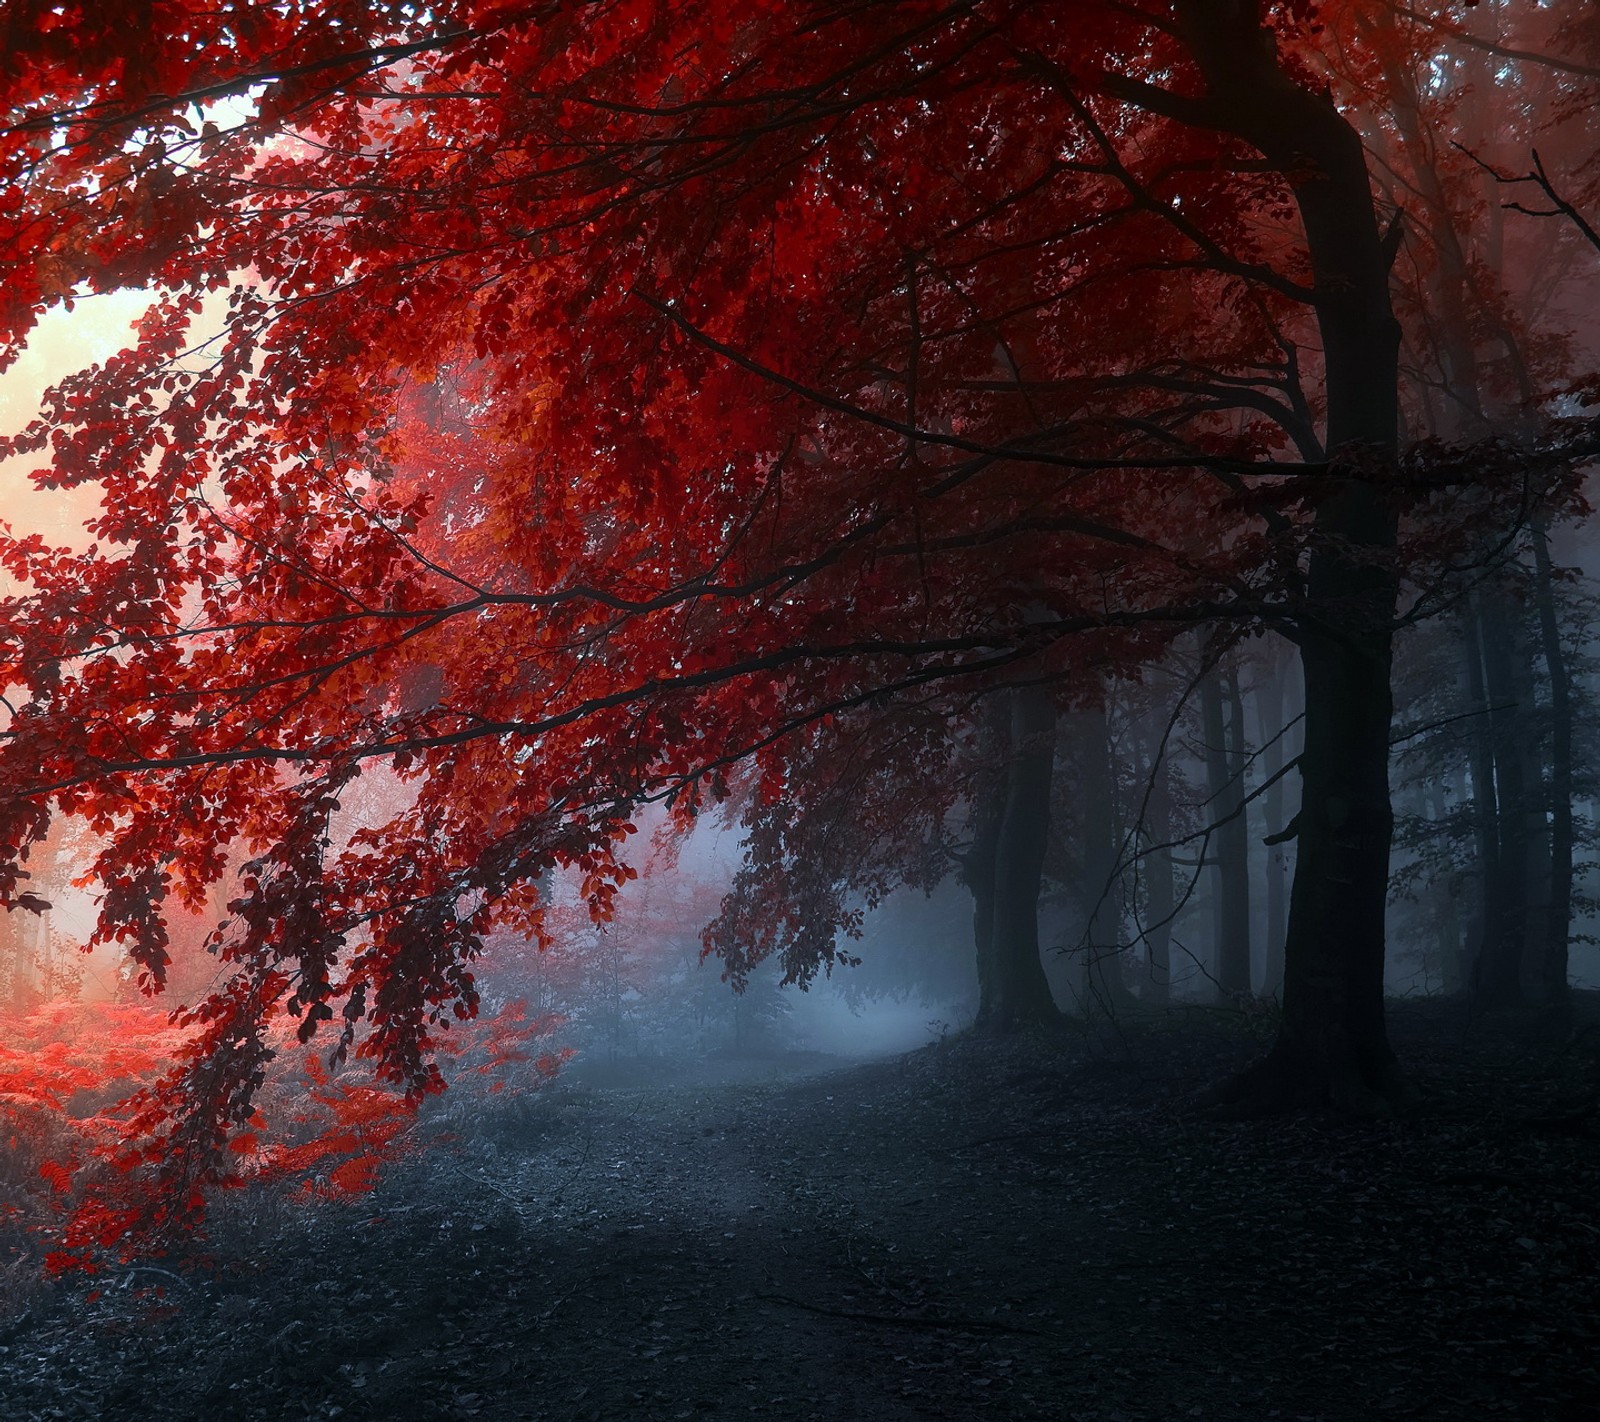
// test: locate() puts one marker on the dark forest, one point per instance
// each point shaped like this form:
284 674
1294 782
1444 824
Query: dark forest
841 709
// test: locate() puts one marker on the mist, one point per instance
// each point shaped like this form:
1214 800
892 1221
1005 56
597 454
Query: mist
885 712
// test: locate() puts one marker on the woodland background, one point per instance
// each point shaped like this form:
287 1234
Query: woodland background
577 548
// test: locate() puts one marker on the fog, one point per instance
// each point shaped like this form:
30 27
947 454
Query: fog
682 783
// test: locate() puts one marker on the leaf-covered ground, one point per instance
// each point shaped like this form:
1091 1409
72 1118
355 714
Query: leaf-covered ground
1044 1231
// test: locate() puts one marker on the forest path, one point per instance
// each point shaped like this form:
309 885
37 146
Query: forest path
1039 1232
759 1249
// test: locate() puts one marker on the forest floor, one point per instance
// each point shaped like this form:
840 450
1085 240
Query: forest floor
1046 1231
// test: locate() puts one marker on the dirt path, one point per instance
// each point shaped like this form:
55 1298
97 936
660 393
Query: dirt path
1039 1233
723 1244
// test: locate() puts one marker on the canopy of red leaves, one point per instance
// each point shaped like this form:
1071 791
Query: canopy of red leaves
554 404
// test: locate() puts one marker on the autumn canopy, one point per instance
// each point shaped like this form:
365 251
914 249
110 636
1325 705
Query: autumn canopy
563 406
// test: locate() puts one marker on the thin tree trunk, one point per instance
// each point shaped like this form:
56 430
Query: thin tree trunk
1270 721
1102 840
977 870
1535 821
1160 899
1490 926
1234 842
1551 964
1442 894
1497 978
1216 767
1229 843
14 953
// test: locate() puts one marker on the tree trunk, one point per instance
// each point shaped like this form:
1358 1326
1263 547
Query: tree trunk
1270 720
1234 842
14 955
1006 869
1229 844
1550 961
1443 898
1497 978
1490 926
978 872
1535 821
1160 900
1332 1046
1102 844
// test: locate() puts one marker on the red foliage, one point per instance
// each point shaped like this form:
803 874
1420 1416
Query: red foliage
603 395
87 1180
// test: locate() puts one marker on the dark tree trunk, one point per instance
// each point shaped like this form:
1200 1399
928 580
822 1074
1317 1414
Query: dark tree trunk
1005 872
1550 960
1270 719
1490 926
1332 1046
1497 978
1234 843
1444 896
1229 845
1160 900
978 871
1102 843
1535 821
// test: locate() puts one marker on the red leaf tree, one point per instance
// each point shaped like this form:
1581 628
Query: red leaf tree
558 404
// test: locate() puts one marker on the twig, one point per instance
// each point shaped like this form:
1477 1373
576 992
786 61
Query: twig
132 1269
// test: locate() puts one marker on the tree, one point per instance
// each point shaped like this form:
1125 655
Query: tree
1226 791
1483 350
1275 727
602 399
